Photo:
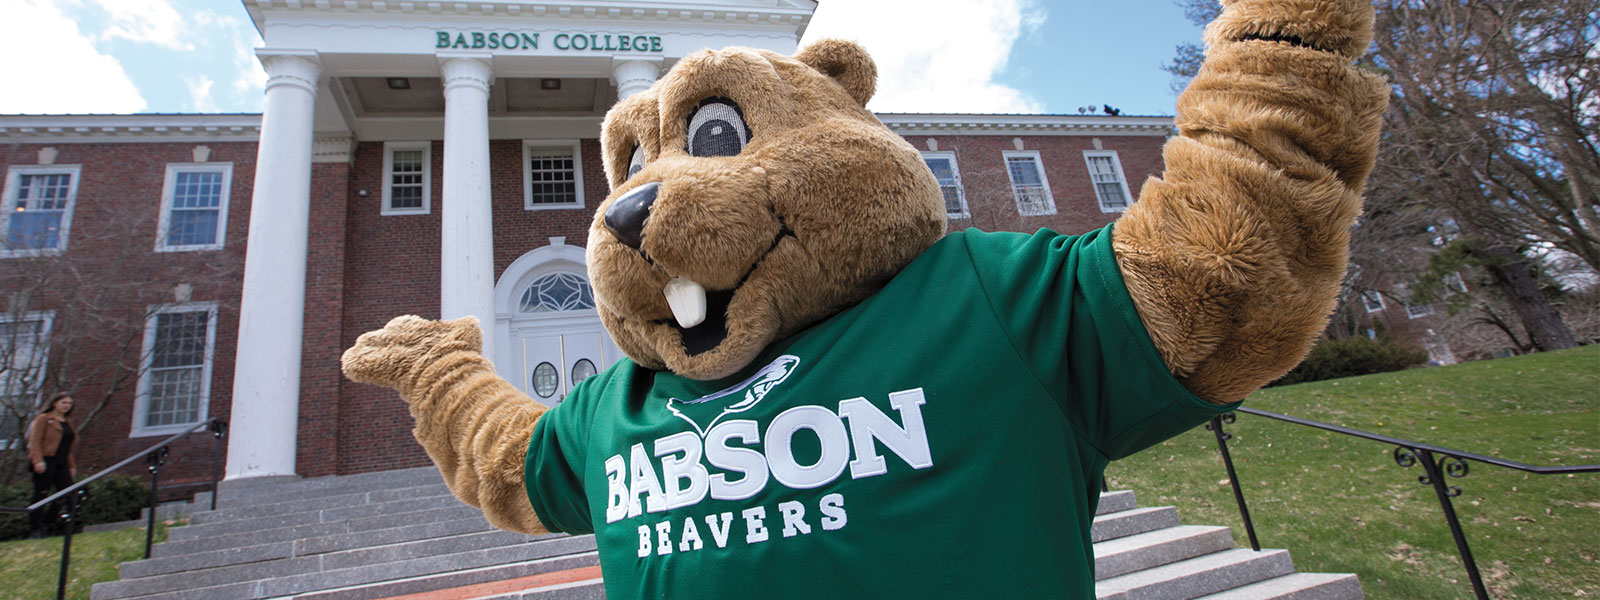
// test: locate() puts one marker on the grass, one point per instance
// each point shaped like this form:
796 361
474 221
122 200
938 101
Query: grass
29 569
1341 504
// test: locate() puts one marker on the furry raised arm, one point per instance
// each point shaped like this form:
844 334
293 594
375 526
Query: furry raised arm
473 424
1234 256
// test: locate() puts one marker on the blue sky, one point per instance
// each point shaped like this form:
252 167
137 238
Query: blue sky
988 56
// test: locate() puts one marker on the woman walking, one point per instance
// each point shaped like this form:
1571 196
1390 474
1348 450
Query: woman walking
50 441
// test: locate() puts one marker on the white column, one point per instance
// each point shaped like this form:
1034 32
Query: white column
266 380
467 258
634 76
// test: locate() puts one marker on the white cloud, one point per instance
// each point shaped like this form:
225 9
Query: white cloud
200 94
145 21
62 72
935 56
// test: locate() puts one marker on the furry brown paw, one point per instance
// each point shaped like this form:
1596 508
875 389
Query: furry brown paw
392 356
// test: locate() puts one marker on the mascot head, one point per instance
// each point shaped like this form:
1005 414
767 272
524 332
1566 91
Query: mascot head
753 195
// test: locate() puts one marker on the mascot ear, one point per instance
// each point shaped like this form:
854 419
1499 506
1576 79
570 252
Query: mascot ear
847 63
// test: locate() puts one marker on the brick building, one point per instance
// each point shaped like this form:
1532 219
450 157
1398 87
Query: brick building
439 159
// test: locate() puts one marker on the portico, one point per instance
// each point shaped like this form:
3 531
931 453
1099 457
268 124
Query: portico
407 75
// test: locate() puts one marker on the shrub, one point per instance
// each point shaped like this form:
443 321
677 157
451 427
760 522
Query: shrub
111 499
1332 359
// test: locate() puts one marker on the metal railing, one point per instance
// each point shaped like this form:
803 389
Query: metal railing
1437 463
72 498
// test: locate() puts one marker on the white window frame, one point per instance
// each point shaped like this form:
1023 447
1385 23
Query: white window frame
955 171
1369 297
8 207
141 404
169 187
527 174
1044 180
47 317
1454 281
389 149
1122 178
1417 311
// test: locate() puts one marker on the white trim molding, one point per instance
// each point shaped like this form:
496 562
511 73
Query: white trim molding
527 174
962 211
1047 200
8 207
1121 179
141 404
389 148
71 129
169 189
979 124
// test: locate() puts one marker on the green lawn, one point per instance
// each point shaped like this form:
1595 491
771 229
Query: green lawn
1341 504
29 569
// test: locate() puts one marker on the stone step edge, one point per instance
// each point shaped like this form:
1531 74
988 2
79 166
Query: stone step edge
580 575
157 566
334 592
1318 585
1166 575
225 513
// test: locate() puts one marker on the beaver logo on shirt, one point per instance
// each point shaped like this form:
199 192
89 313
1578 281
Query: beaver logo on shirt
755 388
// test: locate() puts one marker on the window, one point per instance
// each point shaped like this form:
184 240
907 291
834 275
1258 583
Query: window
194 206
175 388
1453 281
1373 300
407 178
1110 187
1418 310
24 353
553 174
1028 184
37 211
943 165
557 292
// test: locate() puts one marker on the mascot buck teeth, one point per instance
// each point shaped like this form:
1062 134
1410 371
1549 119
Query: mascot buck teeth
827 397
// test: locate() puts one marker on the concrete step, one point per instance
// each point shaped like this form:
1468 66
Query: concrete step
468 578
241 492
1142 551
578 590
1116 501
329 515
1198 576
301 504
1133 521
1297 586
302 574
352 554
326 537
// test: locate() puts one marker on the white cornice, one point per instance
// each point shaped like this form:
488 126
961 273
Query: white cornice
791 13
981 124
132 128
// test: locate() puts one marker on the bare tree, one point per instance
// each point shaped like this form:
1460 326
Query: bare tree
75 321
1489 154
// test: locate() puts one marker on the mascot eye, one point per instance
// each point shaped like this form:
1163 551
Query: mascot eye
636 163
717 129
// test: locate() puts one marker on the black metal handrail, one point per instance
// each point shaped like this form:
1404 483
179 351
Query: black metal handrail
1437 463
156 456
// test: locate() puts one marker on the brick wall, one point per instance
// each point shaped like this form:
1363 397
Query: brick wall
981 162
364 268
111 246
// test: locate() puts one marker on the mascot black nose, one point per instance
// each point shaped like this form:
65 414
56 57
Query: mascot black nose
625 217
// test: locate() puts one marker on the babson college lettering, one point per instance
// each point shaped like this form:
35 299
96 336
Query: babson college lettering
516 40
750 459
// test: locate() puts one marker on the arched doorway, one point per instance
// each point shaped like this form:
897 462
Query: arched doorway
548 334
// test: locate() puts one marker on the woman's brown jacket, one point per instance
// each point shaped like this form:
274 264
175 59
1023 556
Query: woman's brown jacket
44 435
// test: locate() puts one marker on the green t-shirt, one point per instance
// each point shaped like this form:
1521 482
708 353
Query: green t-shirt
945 438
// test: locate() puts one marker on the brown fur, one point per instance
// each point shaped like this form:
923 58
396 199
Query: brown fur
1235 254
858 198
1233 257
473 424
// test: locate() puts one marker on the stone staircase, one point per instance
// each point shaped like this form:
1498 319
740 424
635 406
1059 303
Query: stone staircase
396 533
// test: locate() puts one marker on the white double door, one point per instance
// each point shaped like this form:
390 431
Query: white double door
552 356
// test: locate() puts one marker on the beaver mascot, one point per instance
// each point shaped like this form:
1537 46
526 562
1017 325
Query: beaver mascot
826 397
